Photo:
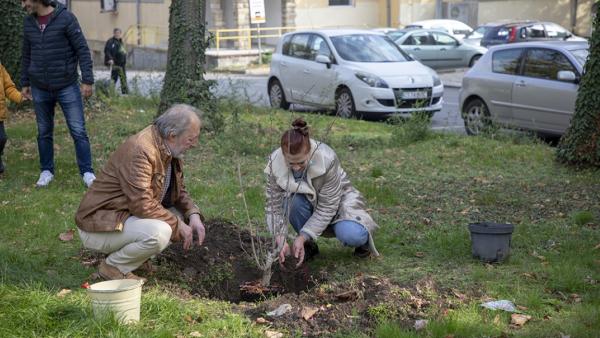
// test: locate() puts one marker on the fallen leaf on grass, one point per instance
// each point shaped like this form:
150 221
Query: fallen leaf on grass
597 247
273 334
308 311
575 298
63 293
419 254
261 320
188 319
519 319
458 295
195 334
522 308
529 275
66 236
347 296
546 317
497 320
538 256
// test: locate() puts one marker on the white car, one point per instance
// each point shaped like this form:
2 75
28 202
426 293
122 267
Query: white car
453 27
358 73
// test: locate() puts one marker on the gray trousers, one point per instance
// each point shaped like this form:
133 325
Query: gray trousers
130 248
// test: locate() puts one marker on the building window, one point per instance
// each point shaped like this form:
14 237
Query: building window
340 3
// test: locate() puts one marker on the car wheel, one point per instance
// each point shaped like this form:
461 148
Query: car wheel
344 104
474 59
277 96
476 116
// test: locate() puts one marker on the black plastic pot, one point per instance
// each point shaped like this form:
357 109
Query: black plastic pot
490 242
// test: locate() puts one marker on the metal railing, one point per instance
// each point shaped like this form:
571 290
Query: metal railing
158 36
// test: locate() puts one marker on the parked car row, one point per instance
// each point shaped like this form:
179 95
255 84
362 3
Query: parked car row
378 73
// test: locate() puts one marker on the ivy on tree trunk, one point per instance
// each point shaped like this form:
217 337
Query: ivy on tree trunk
184 80
11 34
581 143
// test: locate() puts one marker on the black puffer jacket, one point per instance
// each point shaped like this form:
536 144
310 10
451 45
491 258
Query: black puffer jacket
50 58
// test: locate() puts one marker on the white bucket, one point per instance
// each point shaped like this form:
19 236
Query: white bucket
121 297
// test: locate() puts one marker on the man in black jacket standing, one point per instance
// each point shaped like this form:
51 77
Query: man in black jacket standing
115 56
53 47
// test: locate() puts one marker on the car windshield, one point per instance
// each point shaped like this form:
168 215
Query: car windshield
478 33
395 35
580 55
367 48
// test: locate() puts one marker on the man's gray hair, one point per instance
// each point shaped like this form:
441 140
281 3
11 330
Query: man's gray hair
177 119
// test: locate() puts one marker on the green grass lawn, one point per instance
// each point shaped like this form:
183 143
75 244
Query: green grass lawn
423 189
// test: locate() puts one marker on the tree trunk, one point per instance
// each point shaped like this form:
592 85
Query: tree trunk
11 35
581 143
266 276
184 80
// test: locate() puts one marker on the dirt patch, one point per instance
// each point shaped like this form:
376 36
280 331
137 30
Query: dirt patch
220 266
358 303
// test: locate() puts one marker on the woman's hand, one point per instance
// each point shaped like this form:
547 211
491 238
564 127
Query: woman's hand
299 249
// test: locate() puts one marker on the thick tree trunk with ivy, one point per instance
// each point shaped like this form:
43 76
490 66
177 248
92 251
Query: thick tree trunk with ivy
581 143
11 34
184 80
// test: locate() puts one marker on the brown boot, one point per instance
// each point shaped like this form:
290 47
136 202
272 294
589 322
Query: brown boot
110 272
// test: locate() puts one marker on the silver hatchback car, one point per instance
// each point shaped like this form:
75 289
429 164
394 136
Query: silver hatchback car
530 85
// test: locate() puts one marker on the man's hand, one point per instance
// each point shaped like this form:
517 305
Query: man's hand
86 90
110 62
299 249
198 227
26 92
185 231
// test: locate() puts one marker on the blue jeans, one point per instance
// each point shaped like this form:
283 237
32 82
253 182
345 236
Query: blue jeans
350 233
71 103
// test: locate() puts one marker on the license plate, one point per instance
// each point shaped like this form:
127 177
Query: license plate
414 95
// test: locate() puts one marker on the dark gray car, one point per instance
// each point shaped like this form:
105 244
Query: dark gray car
530 85
525 31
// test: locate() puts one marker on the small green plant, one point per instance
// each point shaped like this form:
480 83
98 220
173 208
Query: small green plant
412 130
382 312
376 172
583 217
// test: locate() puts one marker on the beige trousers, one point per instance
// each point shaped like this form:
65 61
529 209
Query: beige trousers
130 248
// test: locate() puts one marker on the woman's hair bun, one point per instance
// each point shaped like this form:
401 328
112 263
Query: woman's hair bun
301 126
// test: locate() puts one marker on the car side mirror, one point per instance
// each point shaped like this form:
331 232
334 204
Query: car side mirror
323 59
567 76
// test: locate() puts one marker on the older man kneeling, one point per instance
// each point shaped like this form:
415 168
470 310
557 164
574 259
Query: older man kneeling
138 203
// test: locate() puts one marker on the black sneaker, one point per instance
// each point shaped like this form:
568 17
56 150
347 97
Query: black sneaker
362 251
1 166
311 249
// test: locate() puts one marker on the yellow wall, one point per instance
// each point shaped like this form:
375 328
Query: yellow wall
99 26
364 13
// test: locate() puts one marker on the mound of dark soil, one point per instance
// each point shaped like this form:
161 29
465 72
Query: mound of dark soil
358 303
222 264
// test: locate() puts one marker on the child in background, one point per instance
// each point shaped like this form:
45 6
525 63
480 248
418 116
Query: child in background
7 91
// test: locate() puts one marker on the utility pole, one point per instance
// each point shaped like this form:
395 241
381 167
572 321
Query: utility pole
389 12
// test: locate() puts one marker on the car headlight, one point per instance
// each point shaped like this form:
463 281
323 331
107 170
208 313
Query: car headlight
436 81
372 80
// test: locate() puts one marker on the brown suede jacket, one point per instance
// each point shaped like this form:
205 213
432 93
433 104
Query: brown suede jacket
131 183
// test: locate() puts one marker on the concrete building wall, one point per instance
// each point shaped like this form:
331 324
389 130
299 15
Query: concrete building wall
362 13
99 26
